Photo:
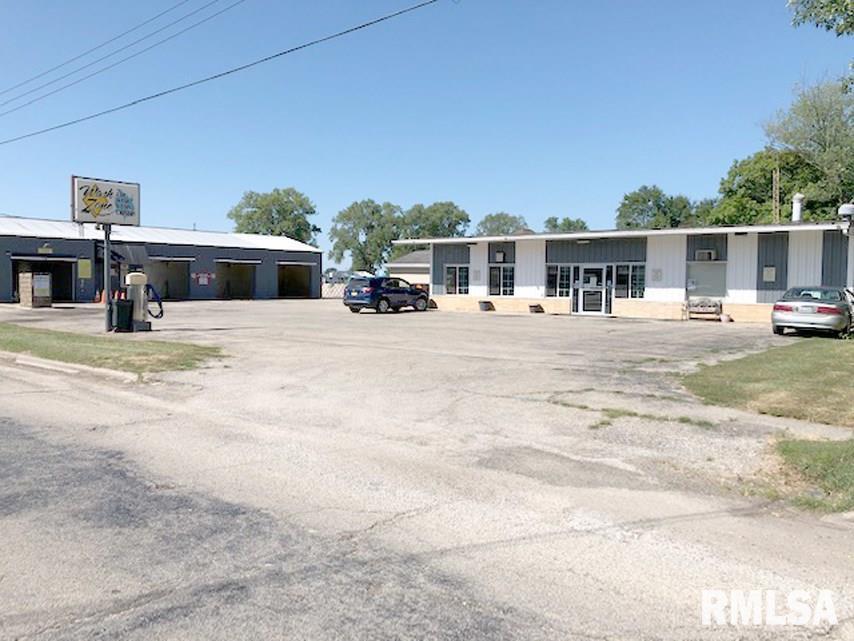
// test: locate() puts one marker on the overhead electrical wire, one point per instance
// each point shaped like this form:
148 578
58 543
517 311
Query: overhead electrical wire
222 74
120 61
111 54
93 49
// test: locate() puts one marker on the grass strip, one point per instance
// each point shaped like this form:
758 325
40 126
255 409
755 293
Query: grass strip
810 379
828 465
111 352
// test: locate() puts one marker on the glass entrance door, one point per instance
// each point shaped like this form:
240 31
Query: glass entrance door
592 292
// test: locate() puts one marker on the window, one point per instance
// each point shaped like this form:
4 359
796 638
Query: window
508 280
630 281
621 285
501 280
456 279
558 280
814 293
638 281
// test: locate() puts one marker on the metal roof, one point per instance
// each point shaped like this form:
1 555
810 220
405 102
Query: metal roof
627 233
65 229
420 257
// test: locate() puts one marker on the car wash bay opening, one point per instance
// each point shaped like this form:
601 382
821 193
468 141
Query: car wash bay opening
180 264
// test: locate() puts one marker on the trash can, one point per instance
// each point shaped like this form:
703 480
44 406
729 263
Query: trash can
123 315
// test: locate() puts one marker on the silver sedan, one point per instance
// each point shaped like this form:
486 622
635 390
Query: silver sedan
814 308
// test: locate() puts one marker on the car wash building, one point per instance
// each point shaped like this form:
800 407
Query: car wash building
662 273
180 264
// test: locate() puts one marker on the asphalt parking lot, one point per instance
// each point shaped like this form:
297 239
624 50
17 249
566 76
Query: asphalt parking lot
412 475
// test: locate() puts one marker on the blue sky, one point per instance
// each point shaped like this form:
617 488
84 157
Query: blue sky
537 107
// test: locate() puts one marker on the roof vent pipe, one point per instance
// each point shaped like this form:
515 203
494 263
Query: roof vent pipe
797 203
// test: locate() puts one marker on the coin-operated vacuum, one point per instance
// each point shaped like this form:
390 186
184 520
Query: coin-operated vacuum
141 295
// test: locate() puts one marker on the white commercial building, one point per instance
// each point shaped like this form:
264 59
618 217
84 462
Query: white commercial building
640 273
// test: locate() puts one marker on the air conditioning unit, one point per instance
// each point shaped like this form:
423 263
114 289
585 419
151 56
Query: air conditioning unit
705 255
499 257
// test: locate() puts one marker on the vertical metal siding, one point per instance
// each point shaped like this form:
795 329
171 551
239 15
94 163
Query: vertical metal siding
834 259
84 289
773 251
447 254
718 242
805 260
509 249
665 268
601 250
5 277
741 268
266 273
530 268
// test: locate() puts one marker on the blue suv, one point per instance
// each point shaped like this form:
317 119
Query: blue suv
383 294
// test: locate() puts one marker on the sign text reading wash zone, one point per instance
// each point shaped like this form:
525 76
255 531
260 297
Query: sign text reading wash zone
768 607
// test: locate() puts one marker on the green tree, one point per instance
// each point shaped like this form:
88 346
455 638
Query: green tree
703 211
500 224
281 212
832 15
648 207
439 220
746 191
365 230
819 126
553 225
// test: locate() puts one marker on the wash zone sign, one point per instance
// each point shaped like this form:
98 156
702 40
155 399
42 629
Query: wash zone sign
109 202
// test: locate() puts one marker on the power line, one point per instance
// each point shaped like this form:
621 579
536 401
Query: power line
95 48
120 61
109 55
222 74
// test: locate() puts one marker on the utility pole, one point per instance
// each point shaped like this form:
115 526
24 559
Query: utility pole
775 189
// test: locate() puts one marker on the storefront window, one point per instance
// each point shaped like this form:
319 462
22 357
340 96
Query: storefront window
501 280
630 281
638 281
558 280
456 279
621 285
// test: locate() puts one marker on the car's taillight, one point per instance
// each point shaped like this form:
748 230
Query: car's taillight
827 309
779 307
367 290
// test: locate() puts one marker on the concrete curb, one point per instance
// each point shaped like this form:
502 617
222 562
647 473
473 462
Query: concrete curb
26 360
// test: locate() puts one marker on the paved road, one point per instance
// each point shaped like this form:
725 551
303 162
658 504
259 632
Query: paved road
102 551
409 476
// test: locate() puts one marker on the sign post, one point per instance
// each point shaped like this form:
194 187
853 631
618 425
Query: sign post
108 296
107 203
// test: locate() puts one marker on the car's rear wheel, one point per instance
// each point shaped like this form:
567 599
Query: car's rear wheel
420 304
383 306
355 310
778 330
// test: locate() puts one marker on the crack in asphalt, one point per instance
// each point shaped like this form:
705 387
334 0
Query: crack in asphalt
220 570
